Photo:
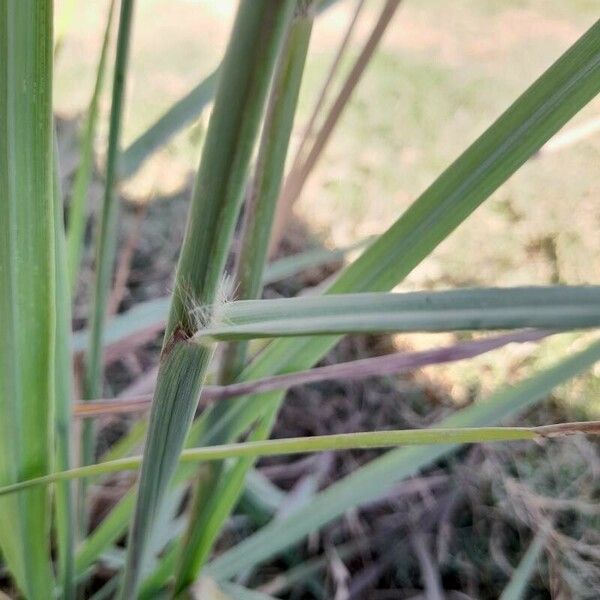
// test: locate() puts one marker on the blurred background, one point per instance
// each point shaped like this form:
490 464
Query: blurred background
442 73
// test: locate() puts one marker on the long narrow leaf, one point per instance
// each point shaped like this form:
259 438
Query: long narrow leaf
106 238
374 366
516 588
78 205
27 286
496 308
107 233
150 315
448 437
63 394
183 112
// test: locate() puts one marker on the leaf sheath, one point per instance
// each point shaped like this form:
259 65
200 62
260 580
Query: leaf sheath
241 93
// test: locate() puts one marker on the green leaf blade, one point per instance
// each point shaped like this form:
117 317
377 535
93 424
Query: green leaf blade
63 394
106 235
77 209
27 286
184 111
560 308
517 586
